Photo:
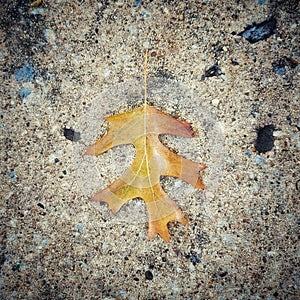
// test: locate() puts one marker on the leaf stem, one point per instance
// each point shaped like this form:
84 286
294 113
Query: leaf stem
145 78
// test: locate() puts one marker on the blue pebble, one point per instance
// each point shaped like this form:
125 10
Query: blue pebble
261 1
146 15
260 31
122 292
137 3
255 33
80 227
258 159
25 74
56 160
279 69
248 154
24 93
12 174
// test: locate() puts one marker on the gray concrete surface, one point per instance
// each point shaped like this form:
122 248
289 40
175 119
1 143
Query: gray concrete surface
242 239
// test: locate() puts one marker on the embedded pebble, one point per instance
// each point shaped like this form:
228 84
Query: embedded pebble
215 102
258 159
24 93
149 275
279 67
25 73
258 32
265 139
71 134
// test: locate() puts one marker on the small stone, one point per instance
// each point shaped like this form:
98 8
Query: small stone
146 45
137 3
25 74
213 71
215 102
259 160
265 139
80 227
258 32
279 67
106 72
223 274
105 246
122 293
148 275
71 135
146 15
278 134
24 93
12 174
41 205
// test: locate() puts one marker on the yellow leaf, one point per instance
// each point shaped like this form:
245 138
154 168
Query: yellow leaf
141 127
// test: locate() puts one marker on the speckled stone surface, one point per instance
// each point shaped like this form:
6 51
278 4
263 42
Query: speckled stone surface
242 243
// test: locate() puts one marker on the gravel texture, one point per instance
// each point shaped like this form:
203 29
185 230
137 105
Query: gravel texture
242 60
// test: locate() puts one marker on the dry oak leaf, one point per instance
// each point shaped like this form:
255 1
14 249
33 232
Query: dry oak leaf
141 127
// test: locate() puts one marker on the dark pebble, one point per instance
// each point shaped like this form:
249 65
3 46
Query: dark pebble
258 32
223 274
71 135
149 275
41 205
56 160
279 67
212 71
135 279
194 257
234 62
265 139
